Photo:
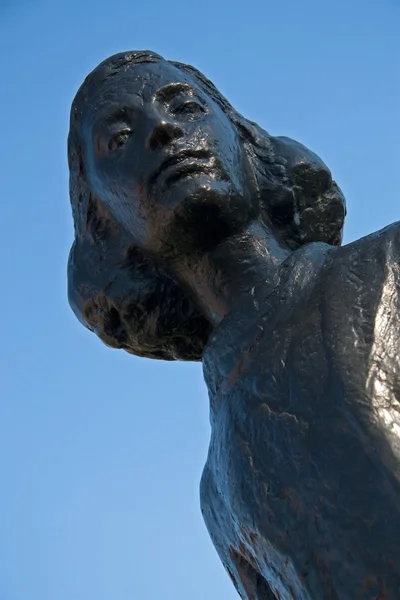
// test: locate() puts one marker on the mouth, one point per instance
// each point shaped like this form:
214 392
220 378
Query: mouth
181 165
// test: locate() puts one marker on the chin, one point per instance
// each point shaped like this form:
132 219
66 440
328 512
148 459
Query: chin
203 211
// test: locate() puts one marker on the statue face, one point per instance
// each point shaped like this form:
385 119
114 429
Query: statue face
165 159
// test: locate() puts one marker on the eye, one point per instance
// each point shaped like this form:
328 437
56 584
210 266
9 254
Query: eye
190 109
119 139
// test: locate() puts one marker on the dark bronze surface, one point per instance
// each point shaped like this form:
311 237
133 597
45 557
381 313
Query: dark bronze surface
199 236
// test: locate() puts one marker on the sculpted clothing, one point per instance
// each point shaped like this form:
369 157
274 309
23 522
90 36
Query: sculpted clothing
301 489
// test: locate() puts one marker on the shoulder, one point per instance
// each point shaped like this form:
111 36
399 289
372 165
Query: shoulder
370 258
356 284
374 246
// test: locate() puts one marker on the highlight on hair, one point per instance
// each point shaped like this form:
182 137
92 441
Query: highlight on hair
122 295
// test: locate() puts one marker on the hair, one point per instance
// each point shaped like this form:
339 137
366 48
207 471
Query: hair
121 294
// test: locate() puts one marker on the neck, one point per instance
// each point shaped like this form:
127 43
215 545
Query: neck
231 270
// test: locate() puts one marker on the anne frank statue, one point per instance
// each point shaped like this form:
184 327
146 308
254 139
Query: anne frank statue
199 236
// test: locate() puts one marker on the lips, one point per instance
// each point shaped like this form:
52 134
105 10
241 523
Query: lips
180 165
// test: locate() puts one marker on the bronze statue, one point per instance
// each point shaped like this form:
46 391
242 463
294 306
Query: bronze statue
199 236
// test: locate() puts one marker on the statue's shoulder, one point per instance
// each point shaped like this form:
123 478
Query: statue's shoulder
368 259
355 278
374 247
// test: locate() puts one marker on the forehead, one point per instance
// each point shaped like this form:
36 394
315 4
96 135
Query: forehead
138 82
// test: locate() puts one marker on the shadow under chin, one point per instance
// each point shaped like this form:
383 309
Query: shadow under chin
204 219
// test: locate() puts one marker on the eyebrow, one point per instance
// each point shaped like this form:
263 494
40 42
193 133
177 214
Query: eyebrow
116 114
109 112
168 92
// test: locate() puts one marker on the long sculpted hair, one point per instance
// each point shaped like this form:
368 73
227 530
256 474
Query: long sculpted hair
121 294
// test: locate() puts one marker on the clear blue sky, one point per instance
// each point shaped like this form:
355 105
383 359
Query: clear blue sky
101 453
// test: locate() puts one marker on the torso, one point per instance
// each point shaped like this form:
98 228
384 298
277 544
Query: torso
301 490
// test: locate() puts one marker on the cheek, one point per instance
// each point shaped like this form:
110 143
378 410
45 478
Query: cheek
117 195
233 157
113 178
128 169
226 140
126 210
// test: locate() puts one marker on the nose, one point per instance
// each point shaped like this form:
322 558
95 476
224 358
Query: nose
162 134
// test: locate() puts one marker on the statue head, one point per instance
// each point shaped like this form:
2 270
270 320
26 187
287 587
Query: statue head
161 165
